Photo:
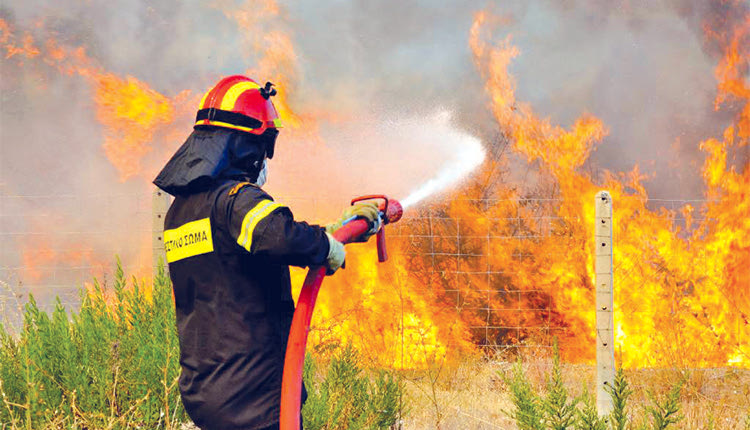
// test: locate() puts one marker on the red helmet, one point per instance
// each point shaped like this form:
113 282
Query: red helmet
239 103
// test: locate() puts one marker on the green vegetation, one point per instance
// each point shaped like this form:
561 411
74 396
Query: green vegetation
665 412
347 398
556 410
115 365
620 392
587 416
559 411
529 414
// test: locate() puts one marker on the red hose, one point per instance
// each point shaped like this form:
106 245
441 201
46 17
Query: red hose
291 384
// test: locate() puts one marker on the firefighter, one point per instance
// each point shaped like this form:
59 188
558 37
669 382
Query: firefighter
229 246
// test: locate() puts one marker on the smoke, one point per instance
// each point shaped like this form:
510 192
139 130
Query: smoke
639 67
357 76
645 68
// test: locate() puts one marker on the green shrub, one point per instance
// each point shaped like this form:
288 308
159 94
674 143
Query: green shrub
115 364
528 412
559 410
587 417
348 398
620 392
108 366
665 412
556 410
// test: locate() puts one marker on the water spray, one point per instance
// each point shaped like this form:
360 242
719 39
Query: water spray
291 384
470 155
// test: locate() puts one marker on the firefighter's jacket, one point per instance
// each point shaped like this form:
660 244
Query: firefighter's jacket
228 249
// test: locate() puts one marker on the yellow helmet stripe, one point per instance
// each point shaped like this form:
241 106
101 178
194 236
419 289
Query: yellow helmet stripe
233 93
224 124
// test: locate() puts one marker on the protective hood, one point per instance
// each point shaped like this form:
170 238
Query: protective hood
209 155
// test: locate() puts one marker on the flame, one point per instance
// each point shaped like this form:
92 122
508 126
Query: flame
731 71
386 313
133 116
40 260
131 113
677 301
23 48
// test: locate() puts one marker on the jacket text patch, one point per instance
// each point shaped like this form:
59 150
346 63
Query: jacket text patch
188 240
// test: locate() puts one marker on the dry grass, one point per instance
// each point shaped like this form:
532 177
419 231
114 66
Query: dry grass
468 395
473 394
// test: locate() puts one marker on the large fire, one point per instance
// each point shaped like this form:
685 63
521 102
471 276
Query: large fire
472 270
682 294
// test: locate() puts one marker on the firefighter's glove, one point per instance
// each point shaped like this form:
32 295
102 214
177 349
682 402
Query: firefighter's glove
366 210
336 255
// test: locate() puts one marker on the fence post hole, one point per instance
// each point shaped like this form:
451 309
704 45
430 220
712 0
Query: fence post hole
603 270
159 207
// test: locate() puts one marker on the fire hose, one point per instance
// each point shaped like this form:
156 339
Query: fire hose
291 385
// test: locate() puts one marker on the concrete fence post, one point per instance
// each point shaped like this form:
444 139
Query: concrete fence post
603 270
159 206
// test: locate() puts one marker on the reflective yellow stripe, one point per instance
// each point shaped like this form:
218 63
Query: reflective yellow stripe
224 124
188 240
231 96
252 218
277 123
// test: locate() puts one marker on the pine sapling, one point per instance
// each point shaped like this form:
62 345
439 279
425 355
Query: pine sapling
666 412
559 412
587 417
528 412
620 393
347 398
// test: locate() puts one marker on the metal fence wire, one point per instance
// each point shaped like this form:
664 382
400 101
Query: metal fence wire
472 281
52 245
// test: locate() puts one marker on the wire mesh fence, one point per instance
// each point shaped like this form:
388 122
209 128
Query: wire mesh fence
500 272
473 281
51 245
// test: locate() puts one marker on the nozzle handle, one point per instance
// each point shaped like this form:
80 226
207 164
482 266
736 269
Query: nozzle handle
382 251
391 211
